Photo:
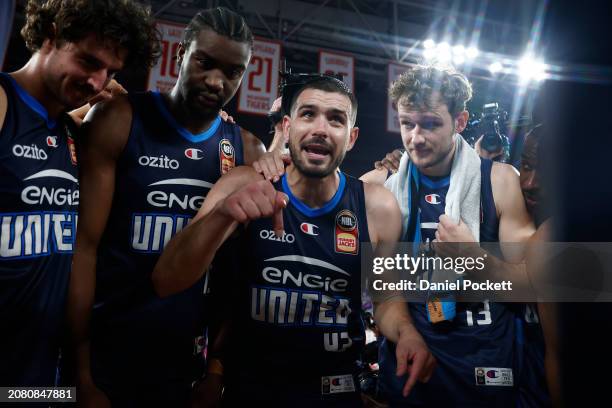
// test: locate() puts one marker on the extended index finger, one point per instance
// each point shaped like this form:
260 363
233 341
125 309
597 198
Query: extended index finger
415 372
280 202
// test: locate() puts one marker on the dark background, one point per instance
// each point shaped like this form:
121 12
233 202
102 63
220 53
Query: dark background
338 26
577 111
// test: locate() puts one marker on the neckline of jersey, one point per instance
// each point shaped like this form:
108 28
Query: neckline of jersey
315 212
32 102
200 137
431 183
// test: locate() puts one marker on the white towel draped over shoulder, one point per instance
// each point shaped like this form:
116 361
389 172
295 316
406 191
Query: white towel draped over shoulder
463 196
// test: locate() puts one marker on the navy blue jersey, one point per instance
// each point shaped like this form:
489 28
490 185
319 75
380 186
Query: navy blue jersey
475 350
139 341
40 196
298 332
533 391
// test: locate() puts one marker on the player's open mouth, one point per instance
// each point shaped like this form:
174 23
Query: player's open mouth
317 151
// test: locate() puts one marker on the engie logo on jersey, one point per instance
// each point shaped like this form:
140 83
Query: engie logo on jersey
347 233
52 141
309 229
433 198
227 158
194 154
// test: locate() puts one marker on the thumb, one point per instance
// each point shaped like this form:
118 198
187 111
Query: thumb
280 202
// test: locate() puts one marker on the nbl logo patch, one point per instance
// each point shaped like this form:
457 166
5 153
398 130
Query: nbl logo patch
347 233
227 157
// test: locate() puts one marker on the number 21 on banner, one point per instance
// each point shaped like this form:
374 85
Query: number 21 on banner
260 84
259 72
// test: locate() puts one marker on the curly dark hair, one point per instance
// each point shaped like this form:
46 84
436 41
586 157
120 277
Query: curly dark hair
416 86
123 22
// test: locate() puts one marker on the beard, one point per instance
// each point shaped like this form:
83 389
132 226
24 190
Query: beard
316 172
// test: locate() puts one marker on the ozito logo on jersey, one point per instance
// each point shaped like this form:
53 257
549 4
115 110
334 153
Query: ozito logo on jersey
271 236
29 152
162 162
347 233
52 141
194 154
433 198
227 157
309 229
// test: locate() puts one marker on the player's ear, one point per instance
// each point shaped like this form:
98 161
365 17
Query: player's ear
286 127
353 135
461 121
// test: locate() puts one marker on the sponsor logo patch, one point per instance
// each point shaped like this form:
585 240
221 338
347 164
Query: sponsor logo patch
337 383
347 233
227 156
494 376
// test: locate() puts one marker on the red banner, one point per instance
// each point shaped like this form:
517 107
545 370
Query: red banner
163 76
336 63
259 86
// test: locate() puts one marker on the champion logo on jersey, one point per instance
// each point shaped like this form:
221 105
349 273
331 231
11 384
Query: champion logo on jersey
309 229
433 198
194 154
52 141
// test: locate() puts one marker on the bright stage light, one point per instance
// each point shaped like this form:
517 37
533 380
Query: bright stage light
472 52
495 67
530 68
429 53
429 43
443 52
459 50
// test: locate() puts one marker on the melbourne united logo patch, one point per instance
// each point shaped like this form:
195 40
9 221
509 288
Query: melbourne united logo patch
227 158
347 233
